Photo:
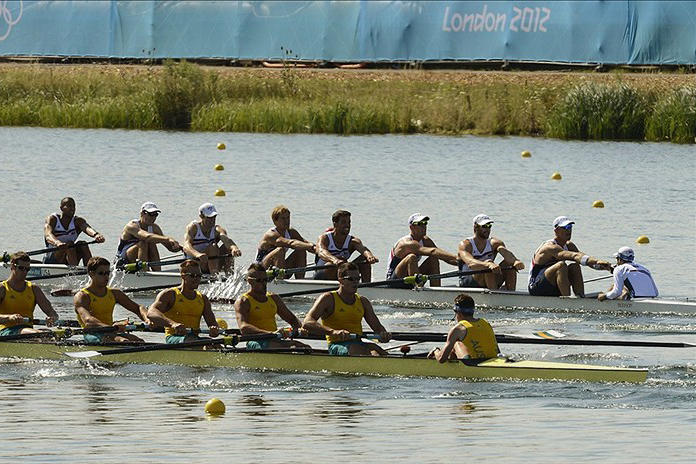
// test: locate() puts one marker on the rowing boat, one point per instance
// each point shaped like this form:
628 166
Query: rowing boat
497 368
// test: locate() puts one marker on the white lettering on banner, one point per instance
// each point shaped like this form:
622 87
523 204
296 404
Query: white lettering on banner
8 16
525 19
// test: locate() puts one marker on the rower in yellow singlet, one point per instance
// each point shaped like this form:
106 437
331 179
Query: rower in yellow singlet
94 305
471 338
180 309
18 297
257 310
341 313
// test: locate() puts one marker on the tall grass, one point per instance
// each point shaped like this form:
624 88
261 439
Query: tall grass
184 96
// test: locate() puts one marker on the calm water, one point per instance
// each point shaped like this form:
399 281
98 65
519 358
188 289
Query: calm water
75 411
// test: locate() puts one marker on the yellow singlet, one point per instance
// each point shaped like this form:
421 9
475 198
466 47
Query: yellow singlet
480 340
101 307
345 316
263 314
18 303
186 311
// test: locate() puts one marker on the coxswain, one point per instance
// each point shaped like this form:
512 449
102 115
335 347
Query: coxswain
278 239
336 245
18 297
62 229
405 255
257 310
94 306
205 239
549 275
478 253
180 309
140 237
631 280
338 315
470 338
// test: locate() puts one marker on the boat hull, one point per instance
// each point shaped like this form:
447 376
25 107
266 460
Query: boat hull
359 365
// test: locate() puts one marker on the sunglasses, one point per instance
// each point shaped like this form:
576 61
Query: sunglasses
487 226
22 268
568 227
195 275
153 214
420 223
258 279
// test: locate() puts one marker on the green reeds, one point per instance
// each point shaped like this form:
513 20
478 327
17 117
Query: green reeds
674 117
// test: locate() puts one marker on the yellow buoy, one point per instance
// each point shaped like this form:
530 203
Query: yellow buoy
526 154
556 176
220 193
222 324
642 239
215 407
598 204
221 146
219 167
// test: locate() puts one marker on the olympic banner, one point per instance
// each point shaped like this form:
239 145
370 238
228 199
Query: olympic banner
611 32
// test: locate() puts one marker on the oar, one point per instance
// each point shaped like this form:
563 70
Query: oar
280 273
227 340
143 265
58 276
6 256
67 332
418 279
599 278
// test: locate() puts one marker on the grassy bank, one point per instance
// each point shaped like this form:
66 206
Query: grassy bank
190 97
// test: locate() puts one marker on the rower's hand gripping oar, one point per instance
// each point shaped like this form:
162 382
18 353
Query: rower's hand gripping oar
6 256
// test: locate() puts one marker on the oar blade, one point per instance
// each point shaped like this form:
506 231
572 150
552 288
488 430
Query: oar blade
83 354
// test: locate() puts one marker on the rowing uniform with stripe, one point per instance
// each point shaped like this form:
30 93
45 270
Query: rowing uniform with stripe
637 279
125 245
200 241
18 303
262 314
63 234
345 316
480 340
186 311
487 254
342 252
101 307
538 284
395 260
260 254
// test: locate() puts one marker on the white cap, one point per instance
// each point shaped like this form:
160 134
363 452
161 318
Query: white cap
625 254
150 207
482 219
562 221
207 210
417 217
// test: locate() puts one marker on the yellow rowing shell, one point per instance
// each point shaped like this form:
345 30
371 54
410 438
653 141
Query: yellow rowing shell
320 362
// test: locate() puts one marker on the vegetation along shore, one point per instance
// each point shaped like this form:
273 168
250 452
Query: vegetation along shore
186 96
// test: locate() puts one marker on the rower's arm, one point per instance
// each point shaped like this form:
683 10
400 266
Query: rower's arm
322 307
81 224
456 333
44 304
209 317
509 258
163 303
618 285
303 244
583 259
357 245
188 242
285 313
294 243
323 252
130 305
439 253
48 231
227 241
242 307
373 321
465 255
82 302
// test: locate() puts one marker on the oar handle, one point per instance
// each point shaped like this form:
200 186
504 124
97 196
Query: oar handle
50 249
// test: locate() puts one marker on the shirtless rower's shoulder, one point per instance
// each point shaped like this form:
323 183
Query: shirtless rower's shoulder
208 242
62 229
278 239
139 239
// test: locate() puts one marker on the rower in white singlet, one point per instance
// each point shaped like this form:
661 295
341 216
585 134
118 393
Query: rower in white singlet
406 254
202 238
62 229
329 252
478 253
278 239
631 280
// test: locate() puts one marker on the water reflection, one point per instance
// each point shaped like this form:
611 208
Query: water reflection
255 405
344 411
99 401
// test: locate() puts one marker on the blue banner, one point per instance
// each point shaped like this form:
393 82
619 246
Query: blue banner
612 32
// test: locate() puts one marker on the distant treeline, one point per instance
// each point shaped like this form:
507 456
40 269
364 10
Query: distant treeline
184 96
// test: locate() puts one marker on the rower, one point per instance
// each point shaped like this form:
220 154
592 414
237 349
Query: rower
276 241
257 310
336 245
62 229
179 309
18 297
140 237
549 275
478 253
407 252
470 338
202 238
631 280
94 305
341 313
